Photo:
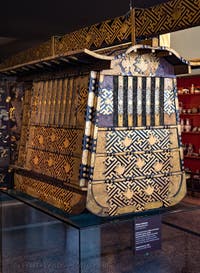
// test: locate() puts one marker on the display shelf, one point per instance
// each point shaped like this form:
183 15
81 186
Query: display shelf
191 133
189 101
192 157
185 95
186 114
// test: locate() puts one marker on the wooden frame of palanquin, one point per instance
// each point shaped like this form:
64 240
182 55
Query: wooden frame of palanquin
64 54
164 18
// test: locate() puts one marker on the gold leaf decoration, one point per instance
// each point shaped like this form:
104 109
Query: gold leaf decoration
35 160
140 163
149 190
127 141
152 140
67 167
120 169
50 162
158 166
41 140
129 193
53 137
66 143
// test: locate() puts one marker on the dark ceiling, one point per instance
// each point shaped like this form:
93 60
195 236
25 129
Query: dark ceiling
24 24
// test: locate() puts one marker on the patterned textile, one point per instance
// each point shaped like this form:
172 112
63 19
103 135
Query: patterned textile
138 163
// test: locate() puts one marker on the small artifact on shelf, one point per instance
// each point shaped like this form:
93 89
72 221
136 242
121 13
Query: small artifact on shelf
185 91
194 110
187 126
190 149
192 89
195 129
197 90
184 146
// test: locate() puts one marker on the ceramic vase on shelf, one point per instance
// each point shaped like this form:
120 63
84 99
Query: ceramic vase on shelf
192 89
187 126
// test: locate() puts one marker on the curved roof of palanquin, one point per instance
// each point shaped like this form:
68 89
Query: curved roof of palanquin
87 57
181 65
48 64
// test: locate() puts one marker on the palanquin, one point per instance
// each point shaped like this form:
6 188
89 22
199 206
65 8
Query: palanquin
100 130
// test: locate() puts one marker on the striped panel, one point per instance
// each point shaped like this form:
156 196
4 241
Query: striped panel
48 104
115 101
148 101
130 101
63 102
136 101
45 95
161 100
120 101
60 102
157 102
134 113
152 114
138 110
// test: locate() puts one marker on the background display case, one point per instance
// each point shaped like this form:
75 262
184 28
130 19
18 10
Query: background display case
189 106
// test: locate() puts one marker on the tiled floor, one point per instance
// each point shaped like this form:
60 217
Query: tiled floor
34 242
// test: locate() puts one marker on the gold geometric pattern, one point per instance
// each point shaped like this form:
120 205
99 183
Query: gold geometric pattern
60 140
39 52
137 194
62 167
167 17
109 32
60 197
